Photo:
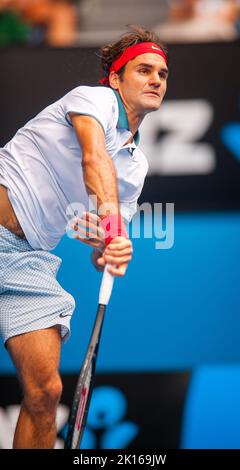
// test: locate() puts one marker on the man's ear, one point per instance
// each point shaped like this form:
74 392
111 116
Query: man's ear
114 80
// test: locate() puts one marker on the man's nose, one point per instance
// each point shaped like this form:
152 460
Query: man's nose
155 80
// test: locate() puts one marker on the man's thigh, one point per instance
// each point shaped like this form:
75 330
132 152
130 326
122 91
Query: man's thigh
36 356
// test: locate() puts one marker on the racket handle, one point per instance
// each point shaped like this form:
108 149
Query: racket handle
106 287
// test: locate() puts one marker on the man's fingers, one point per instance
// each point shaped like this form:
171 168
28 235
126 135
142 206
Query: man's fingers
89 222
94 218
92 242
115 270
118 271
118 261
101 261
119 244
89 231
119 253
82 233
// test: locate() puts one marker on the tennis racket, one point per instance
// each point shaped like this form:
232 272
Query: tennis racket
83 391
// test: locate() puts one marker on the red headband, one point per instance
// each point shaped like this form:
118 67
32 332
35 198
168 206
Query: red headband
134 51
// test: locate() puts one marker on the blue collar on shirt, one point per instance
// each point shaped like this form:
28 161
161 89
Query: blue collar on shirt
123 119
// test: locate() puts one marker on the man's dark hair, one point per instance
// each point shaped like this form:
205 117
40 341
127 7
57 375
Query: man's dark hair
135 35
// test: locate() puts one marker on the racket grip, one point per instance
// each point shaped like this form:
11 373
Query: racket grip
106 287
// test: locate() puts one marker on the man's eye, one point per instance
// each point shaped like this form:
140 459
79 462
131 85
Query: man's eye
163 75
143 70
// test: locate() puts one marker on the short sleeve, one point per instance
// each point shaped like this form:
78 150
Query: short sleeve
129 205
128 210
97 102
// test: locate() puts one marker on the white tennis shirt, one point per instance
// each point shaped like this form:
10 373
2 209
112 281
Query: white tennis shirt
41 165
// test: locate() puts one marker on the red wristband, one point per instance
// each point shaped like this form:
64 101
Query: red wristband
113 226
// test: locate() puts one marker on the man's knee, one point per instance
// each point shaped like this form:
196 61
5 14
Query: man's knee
42 399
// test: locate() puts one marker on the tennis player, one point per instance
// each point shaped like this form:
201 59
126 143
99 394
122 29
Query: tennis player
84 144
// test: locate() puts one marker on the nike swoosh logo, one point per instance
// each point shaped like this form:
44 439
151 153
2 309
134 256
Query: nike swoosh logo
153 47
62 315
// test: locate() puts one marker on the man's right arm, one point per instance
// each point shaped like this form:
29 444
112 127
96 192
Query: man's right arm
98 170
100 180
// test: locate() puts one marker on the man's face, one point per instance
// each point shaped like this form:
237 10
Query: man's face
144 83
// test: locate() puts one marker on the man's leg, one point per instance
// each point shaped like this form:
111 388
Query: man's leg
36 356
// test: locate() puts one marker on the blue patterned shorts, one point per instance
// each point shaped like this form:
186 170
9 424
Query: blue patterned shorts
30 296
